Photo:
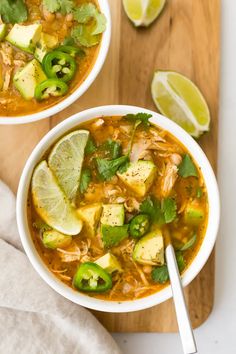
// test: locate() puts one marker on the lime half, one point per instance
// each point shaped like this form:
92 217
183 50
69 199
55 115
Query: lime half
179 99
143 12
51 203
66 159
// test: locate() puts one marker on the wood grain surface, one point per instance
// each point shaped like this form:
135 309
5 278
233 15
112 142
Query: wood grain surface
185 38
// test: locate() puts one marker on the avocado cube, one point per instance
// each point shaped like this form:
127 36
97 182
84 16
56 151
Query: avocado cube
3 31
150 249
109 262
193 213
139 176
54 239
26 79
25 37
113 214
43 46
90 214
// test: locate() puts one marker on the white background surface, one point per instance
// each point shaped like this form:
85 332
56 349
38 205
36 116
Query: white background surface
218 334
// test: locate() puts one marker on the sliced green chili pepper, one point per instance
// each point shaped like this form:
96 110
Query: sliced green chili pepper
59 65
71 50
139 225
50 87
90 277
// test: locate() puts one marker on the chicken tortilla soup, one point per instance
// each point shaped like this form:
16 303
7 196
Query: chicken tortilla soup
104 200
47 49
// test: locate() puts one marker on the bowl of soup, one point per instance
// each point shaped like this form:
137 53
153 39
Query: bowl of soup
99 194
49 55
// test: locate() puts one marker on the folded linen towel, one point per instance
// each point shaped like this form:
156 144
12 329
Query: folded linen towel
33 318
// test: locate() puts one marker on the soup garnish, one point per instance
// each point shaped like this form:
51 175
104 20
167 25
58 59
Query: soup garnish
103 201
47 49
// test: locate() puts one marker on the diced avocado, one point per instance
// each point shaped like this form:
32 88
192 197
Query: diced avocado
43 46
150 249
109 262
25 37
139 176
90 214
3 31
113 235
113 214
194 213
26 79
54 239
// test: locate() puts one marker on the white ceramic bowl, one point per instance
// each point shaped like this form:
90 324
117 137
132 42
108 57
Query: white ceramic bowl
104 46
82 299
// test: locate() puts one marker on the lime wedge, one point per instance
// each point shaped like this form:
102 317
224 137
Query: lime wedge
66 159
179 99
143 12
51 204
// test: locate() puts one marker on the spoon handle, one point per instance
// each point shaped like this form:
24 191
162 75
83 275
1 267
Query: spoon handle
185 328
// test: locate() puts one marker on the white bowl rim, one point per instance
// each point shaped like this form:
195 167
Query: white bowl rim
101 57
204 251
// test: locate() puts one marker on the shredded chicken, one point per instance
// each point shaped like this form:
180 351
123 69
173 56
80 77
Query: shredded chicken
7 53
7 79
19 63
69 256
169 178
141 274
131 204
98 124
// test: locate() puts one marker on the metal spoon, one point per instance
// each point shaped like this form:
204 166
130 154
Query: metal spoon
185 328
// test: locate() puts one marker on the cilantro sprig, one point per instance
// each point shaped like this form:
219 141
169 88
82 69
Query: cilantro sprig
160 212
187 167
85 180
63 6
161 275
141 117
13 11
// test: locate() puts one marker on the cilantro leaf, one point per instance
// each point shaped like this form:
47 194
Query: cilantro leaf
51 5
180 261
160 213
152 207
66 6
13 11
199 192
83 35
108 168
90 147
161 274
85 179
187 167
111 148
190 243
142 117
169 208
63 6
87 12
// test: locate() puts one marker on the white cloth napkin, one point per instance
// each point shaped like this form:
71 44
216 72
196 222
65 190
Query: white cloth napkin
33 318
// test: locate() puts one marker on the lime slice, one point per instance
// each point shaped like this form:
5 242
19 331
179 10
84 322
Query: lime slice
180 100
143 12
66 159
51 204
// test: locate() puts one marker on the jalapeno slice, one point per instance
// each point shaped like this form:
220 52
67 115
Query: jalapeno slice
59 65
71 50
139 225
50 87
90 277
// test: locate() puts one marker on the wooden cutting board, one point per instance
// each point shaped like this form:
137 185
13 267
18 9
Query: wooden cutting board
185 38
